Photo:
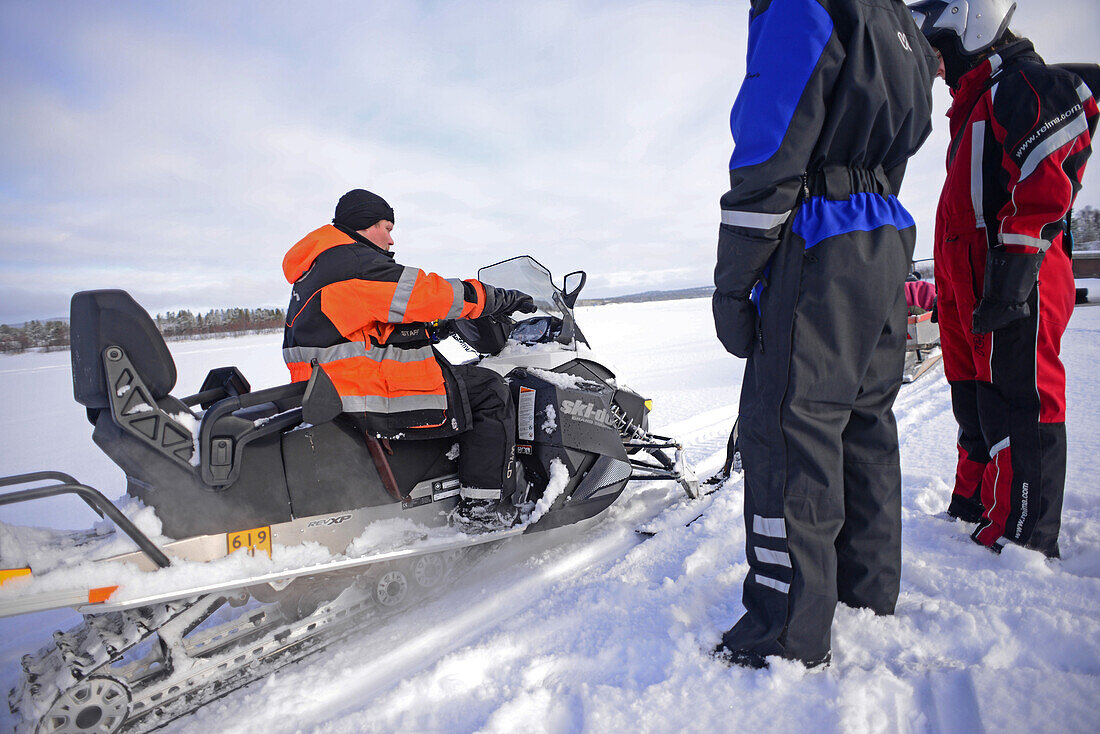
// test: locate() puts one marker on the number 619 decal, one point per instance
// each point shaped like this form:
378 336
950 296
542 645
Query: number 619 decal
252 540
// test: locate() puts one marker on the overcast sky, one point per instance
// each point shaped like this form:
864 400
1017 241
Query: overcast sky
178 149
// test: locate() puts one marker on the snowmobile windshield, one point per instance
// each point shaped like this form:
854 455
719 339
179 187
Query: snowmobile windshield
525 274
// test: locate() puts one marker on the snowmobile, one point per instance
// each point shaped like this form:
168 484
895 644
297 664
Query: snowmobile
922 334
292 529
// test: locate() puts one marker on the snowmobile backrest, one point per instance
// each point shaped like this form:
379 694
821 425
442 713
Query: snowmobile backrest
104 318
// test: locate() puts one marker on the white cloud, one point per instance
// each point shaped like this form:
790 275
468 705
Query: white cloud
179 150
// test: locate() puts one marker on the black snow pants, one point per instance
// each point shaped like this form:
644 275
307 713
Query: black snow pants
818 438
486 464
483 421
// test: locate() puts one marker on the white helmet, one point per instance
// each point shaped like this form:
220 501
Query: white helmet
977 24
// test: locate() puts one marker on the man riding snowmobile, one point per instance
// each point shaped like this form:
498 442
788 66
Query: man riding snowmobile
1020 135
361 321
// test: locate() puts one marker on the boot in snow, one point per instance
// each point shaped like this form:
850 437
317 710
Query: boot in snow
965 509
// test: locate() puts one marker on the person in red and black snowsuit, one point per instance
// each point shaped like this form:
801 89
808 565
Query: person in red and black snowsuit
363 318
813 250
1020 135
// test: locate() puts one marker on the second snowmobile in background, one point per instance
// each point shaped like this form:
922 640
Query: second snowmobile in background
922 333
352 525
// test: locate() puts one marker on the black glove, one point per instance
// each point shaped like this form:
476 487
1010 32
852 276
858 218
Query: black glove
743 256
990 315
502 302
735 323
1009 282
440 330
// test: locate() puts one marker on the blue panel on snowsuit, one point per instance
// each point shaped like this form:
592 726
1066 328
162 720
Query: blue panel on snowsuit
785 45
820 218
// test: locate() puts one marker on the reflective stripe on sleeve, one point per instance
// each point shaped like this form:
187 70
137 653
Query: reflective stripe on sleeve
998 446
773 583
460 298
977 151
402 294
1067 134
767 555
753 220
772 527
1083 91
1025 240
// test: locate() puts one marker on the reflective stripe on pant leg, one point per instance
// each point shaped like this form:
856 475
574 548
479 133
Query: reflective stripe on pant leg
766 587
479 493
996 494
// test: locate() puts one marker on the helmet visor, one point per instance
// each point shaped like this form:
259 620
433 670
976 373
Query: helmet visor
934 20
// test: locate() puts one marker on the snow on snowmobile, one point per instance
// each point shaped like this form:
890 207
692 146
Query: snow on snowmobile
291 529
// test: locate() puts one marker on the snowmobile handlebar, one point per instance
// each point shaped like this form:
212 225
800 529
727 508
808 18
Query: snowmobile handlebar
95 499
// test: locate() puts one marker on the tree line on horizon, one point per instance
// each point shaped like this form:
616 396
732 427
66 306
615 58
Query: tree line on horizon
53 335
178 325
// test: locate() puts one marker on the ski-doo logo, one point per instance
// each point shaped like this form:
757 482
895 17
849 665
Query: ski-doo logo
584 412
328 521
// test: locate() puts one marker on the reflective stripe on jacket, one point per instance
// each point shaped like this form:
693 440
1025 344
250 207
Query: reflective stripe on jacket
361 315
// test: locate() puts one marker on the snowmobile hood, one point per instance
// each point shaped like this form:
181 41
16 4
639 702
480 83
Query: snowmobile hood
300 257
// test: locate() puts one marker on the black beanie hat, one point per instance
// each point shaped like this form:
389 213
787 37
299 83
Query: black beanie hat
359 209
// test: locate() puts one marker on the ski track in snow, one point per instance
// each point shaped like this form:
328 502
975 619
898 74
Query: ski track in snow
604 630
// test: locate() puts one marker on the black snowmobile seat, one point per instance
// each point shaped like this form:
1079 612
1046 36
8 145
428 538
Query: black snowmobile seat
103 318
123 374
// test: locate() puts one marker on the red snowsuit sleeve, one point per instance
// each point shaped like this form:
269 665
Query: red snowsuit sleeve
1043 119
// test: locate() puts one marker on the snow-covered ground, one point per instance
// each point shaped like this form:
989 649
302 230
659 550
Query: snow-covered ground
607 632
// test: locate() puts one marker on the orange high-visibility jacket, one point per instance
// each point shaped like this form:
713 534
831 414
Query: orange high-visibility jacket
361 316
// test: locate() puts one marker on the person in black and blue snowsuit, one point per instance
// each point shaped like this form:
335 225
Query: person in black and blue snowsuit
813 251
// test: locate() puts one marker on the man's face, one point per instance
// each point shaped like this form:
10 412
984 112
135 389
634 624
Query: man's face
378 234
941 72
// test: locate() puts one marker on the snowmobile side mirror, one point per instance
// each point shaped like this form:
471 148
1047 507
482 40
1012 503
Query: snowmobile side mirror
567 322
574 282
321 401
